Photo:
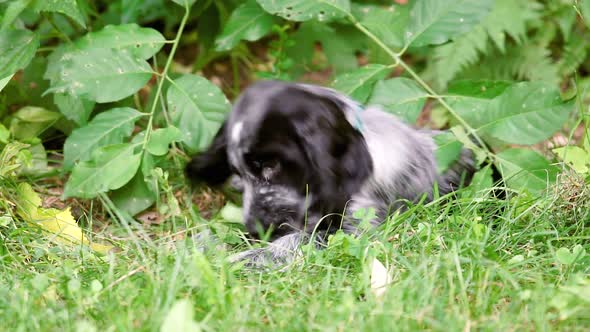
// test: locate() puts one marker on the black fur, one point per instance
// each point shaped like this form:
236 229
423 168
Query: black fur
211 166
304 166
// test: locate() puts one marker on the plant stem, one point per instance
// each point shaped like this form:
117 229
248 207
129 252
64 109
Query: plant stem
398 61
164 74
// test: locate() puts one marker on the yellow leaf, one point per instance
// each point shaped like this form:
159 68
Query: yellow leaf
60 224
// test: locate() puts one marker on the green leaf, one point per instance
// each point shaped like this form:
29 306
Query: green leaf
565 256
247 22
579 251
106 128
180 318
482 179
566 18
28 86
5 81
387 24
467 139
29 122
359 84
433 22
65 7
12 158
12 11
586 139
585 9
526 169
130 38
304 10
135 196
140 42
185 3
340 45
197 108
232 213
576 157
400 96
102 75
17 49
111 167
4 134
526 113
38 160
480 89
160 140
74 108
516 260
364 217
471 97
523 113
447 151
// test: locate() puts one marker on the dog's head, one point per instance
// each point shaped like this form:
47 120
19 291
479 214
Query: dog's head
298 156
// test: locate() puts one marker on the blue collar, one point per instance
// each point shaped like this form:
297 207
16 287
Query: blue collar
357 109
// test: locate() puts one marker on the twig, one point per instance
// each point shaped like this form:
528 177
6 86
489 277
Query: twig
398 61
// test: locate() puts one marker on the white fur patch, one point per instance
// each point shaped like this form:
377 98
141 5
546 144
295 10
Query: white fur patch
247 199
236 131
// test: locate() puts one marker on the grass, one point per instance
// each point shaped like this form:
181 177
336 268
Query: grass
470 264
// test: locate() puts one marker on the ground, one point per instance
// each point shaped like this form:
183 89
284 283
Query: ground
465 264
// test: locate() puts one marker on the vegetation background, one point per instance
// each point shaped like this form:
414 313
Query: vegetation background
103 102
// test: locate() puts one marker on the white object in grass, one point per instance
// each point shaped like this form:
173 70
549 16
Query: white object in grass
380 278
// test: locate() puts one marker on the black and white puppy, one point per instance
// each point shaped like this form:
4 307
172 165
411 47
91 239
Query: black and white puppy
308 157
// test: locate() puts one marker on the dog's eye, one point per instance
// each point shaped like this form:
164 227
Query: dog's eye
260 165
256 165
269 168
269 164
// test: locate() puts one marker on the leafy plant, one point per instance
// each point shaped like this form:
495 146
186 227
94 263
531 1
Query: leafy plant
99 71
102 101
116 140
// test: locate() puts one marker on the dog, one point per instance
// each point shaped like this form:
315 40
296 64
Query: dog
307 157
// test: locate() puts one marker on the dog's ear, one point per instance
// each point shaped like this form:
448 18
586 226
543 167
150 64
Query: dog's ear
211 166
335 148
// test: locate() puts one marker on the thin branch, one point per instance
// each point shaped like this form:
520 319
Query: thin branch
398 61
164 73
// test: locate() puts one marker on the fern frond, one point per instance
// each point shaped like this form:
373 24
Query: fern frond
534 62
451 58
507 18
574 54
530 61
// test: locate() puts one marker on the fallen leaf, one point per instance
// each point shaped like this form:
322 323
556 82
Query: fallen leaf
150 218
380 278
58 223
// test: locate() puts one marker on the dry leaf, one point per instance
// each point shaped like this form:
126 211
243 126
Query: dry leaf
380 278
58 223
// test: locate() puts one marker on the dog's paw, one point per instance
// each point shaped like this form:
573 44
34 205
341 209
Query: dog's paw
278 254
236 183
267 258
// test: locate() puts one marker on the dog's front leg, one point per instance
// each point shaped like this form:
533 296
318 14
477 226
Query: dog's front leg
278 253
